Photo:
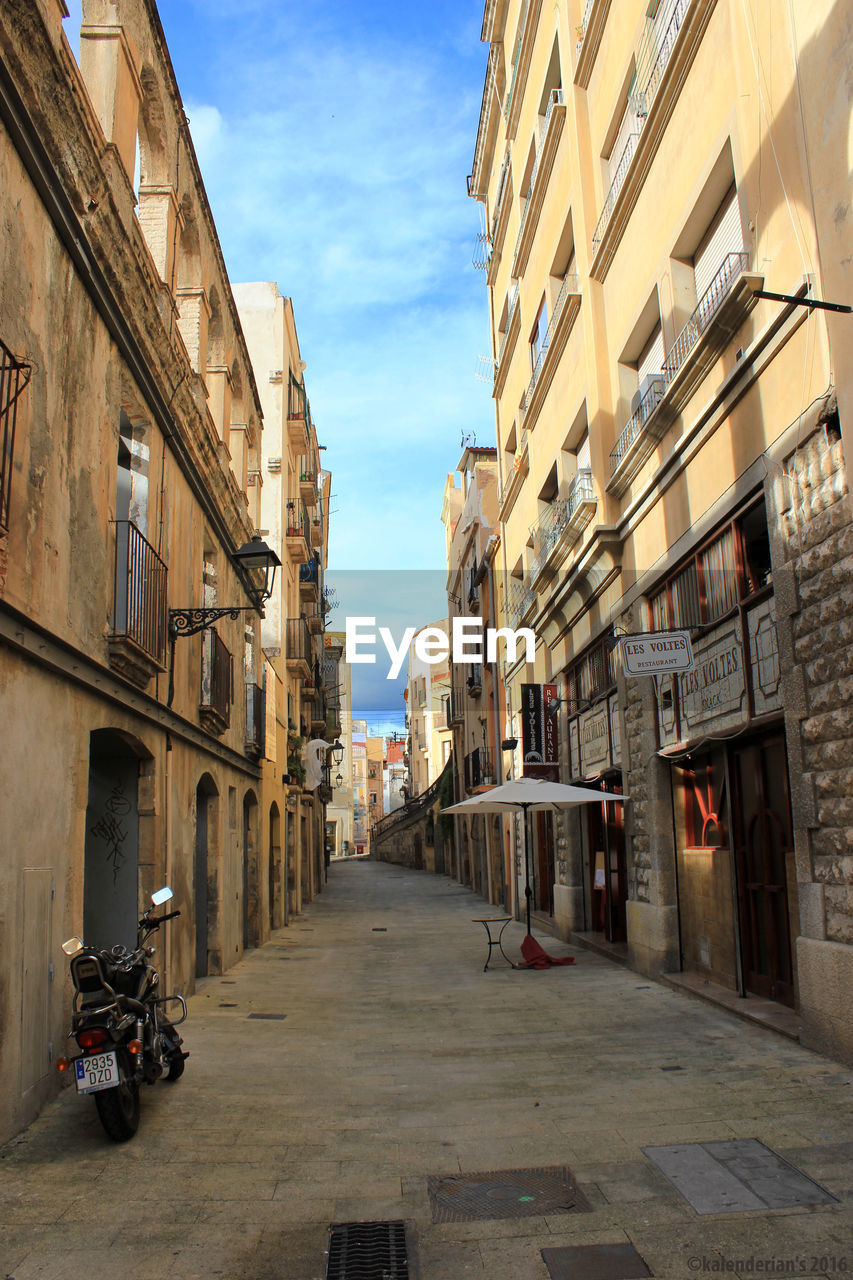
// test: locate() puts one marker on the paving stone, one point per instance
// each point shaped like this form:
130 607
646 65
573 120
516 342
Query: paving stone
397 1063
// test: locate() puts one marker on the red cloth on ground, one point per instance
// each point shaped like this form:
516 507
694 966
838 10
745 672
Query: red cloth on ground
536 958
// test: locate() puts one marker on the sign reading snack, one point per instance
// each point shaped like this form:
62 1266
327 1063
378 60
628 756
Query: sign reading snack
713 694
656 653
595 739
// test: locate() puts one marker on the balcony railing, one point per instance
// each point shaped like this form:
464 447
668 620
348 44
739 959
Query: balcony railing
138 640
555 99
298 645
652 59
656 50
478 769
297 401
520 601
581 31
456 705
309 577
567 288
503 187
14 376
512 303
712 299
564 516
637 422
216 683
615 187
254 719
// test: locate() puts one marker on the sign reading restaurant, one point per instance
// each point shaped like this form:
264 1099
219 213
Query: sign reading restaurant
656 653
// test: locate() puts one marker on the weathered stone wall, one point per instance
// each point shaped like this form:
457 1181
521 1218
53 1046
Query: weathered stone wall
814 586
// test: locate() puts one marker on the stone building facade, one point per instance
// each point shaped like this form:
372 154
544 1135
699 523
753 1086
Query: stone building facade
671 457
130 477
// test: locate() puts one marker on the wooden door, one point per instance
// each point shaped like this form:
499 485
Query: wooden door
763 839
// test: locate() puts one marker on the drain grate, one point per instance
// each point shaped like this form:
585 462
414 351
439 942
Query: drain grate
269 1017
367 1251
507 1193
595 1262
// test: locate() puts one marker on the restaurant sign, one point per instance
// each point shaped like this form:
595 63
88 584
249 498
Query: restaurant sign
656 653
539 731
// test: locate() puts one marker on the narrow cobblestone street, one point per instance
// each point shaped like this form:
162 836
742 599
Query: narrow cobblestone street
398 1059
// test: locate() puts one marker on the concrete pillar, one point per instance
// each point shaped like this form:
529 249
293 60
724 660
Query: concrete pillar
238 443
193 319
218 381
161 222
109 62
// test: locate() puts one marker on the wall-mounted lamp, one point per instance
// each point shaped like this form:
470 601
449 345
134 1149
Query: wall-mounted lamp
253 555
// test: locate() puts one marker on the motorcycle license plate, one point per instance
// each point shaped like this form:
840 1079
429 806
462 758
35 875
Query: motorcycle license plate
100 1071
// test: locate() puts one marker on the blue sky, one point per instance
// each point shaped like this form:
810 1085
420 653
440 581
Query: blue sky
334 139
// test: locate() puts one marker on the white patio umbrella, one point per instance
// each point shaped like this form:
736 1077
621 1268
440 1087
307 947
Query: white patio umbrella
530 793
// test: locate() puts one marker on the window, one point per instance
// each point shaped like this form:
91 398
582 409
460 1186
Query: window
731 567
593 675
724 236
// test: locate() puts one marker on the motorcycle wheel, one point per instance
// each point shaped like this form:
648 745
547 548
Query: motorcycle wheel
118 1110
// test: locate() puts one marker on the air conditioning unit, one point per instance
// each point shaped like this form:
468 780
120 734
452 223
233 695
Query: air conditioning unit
651 380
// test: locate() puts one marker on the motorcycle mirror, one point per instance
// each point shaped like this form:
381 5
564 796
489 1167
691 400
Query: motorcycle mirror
162 895
72 946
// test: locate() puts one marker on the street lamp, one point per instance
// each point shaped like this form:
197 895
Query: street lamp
337 752
339 781
253 555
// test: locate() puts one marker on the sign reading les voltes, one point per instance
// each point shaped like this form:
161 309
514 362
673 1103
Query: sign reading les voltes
656 652
539 731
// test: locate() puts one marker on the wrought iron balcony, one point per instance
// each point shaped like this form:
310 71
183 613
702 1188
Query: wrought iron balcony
710 303
298 415
137 644
651 62
298 648
546 148
216 683
14 376
254 719
521 600
569 291
309 579
564 521
637 424
615 187
456 705
298 538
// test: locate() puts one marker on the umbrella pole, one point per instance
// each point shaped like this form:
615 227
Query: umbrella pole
528 892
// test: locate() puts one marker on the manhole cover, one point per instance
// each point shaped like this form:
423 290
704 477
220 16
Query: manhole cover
595 1262
506 1193
367 1251
735 1177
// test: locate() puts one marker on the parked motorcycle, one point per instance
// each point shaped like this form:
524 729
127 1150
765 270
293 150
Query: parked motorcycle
119 1023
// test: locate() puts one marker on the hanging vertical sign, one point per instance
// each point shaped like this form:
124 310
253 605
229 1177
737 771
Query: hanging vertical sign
539 731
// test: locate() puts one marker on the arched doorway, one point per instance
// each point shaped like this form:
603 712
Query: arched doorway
204 874
251 905
111 854
274 870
